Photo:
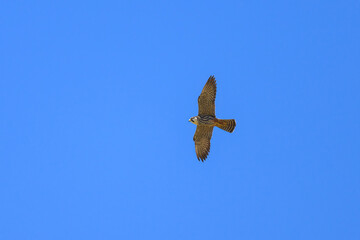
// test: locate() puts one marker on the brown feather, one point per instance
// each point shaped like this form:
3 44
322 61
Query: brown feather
206 100
202 141
226 124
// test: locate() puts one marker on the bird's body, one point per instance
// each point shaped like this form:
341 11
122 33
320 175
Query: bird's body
206 120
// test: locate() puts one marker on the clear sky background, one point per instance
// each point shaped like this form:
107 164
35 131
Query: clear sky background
95 99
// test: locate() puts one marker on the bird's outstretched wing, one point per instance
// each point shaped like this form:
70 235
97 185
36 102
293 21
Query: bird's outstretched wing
202 141
206 100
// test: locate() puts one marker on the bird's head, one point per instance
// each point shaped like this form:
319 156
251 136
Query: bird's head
194 120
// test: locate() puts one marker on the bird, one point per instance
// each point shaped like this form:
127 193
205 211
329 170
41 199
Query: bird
206 120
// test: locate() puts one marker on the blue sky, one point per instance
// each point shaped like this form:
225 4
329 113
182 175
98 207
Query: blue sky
95 99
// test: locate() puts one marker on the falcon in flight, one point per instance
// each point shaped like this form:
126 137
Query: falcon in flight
206 120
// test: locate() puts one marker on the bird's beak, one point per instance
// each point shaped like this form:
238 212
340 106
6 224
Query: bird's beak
189 120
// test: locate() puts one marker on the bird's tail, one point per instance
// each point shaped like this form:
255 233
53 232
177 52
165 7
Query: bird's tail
226 124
